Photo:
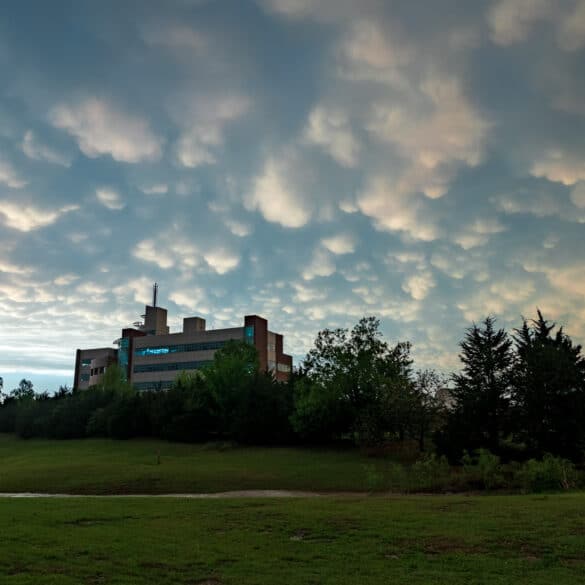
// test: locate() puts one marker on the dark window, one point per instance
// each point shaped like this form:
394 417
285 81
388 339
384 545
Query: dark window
172 367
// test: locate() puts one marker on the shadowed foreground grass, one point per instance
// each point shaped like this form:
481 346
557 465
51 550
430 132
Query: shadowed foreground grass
405 539
96 466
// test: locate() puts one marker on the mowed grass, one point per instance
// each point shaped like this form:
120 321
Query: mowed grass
95 466
351 540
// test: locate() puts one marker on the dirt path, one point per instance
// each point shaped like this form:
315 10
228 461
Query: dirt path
199 496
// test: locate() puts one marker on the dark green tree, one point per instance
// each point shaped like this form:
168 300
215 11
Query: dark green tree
549 390
481 392
24 391
349 377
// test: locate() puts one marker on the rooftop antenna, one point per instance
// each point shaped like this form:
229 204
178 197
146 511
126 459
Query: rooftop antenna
154 294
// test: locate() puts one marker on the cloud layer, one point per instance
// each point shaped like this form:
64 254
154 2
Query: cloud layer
310 161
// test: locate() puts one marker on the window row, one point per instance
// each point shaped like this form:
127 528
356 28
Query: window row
162 385
179 348
171 367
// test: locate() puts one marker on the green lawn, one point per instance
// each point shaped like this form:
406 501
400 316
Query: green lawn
95 466
376 540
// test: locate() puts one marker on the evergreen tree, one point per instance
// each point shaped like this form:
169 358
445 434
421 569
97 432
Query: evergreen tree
549 390
482 389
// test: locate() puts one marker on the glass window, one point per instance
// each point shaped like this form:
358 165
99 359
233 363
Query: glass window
171 367
85 377
86 362
179 348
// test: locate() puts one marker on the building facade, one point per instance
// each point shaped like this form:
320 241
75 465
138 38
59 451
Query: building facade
153 357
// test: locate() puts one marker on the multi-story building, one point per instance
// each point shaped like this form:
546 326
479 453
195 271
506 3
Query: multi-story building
152 356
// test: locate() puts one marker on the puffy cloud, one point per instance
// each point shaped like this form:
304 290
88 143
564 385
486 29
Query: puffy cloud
110 199
9 177
208 117
173 250
511 21
443 131
168 250
221 260
371 54
540 203
38 151
458 265
340 244
306 294
276 198
419 285
322 264
26 217
560 166
238 228
100 129
478 232
329 128
505 297
397 211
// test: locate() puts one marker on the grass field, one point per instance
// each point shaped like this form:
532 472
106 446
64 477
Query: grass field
405 539
95 466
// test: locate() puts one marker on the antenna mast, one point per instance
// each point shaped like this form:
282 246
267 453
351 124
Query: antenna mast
154 294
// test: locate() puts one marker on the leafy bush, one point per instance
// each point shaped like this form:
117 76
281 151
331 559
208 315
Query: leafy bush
550 473
484 468
431 473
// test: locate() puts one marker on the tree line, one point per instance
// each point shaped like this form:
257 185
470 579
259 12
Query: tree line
519 395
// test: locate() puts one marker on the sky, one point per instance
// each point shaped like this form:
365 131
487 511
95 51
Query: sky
311 161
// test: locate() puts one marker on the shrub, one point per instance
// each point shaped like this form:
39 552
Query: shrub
431 473
484 468
551 473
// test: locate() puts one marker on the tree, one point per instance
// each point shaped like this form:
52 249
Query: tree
24 391
549 390
229 379
349 376
481 392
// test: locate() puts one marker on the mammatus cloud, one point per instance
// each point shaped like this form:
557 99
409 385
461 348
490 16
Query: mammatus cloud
276 199
9 177
330 130
101 129
36 150
110 199
419 285
221 260
207 117
397 211
560 166
477 233
340 244
173 250
26 217
321 265
511 21
436 137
